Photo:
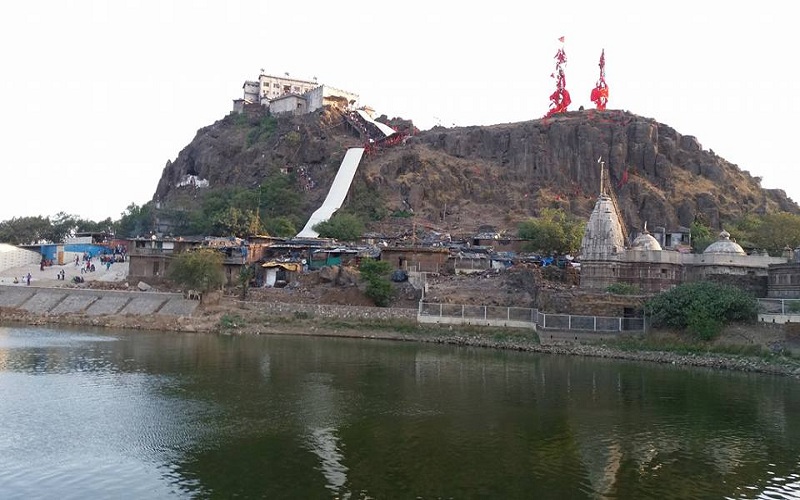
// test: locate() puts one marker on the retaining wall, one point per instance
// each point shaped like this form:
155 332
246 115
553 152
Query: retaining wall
47 301
329 311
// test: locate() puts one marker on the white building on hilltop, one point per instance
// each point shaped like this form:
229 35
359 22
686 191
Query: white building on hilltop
291 95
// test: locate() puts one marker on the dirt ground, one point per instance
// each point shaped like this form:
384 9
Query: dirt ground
48 277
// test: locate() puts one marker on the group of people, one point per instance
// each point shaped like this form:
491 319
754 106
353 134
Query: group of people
26 279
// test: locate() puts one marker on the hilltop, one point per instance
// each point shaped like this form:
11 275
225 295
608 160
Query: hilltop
464 179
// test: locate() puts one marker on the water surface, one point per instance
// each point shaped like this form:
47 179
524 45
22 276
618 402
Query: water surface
114 414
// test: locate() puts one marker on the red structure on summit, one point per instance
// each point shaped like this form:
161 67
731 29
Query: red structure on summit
559 100
600 91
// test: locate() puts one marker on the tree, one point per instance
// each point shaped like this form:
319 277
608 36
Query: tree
280 226
246 273
199 270
342 226
235 222
25 230
62 225
135 221
554 231
700 235
702 308
777 231
279 196
379 286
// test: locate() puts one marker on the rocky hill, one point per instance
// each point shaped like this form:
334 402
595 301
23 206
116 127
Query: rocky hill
462 179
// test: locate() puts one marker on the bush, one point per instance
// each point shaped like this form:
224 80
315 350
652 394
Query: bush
266 127
379 286
342 226
701 308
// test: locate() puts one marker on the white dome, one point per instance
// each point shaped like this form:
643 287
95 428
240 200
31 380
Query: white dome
646 241
724 245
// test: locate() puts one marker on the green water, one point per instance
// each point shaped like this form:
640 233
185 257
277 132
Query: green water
108 414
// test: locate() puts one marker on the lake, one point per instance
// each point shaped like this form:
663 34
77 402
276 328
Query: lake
119 414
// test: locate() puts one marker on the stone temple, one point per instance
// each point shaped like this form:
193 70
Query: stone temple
607 259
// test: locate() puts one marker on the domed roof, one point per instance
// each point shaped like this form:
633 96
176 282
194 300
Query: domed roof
646 241
725 245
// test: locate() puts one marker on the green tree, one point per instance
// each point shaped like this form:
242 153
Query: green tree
554 231
199 269
279 196
88 226
342 226
744 228
280 226
135 221
62 225
701 308
777 231
701 236
235 222
25 230
379 286
246 274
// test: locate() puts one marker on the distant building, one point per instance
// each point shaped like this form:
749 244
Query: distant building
291 95
271 87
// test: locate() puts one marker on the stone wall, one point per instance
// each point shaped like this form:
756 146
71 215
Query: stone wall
328 310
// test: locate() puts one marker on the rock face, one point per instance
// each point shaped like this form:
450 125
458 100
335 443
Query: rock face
460 179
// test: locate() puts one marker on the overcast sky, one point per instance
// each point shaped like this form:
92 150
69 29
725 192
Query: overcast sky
96 96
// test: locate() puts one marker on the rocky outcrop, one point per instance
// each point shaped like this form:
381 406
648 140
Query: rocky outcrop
657 174
458 179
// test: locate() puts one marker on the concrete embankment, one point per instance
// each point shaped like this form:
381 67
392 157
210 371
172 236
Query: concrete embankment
70 301
171 312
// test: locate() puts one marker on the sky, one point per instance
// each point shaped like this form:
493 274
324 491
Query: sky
96 96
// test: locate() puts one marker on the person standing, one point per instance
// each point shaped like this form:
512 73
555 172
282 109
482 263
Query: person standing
28 279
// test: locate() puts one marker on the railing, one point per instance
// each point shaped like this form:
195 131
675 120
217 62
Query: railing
522 317
574 322
472 312
779 306
423 267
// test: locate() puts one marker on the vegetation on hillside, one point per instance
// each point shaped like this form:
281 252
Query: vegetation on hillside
342 226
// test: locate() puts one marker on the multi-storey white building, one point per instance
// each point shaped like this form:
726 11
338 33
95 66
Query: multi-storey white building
285 95
271 87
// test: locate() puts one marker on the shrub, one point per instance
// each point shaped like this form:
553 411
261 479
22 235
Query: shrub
379 286
228 321
266 127
701 308
342 226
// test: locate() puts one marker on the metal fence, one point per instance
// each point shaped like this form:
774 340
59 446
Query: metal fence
779 306
521 316
574 322
472 312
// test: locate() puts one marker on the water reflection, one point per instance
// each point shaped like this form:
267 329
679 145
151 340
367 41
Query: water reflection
213 416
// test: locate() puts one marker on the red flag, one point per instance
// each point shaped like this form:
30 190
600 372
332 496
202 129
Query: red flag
561 39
